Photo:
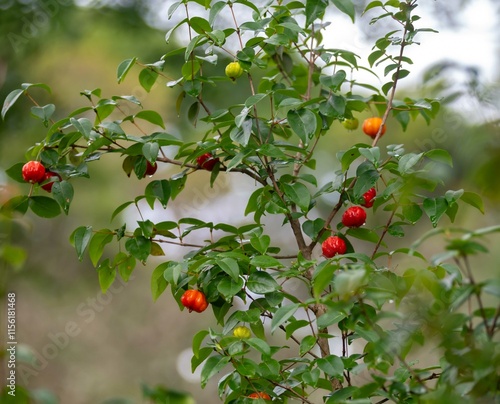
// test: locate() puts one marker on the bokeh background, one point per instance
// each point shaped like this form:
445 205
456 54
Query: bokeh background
123 340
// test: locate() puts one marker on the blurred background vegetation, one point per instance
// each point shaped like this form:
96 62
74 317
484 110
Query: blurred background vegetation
125 340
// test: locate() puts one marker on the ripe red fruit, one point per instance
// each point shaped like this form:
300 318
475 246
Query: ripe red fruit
332 246
194 300
207 161
150 168
371 126
355 216
50 175
260 394
368 197
33 171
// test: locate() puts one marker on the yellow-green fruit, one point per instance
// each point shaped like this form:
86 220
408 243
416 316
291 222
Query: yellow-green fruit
350 124
242 332
234 70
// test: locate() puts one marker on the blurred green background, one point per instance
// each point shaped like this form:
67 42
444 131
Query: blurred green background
123 339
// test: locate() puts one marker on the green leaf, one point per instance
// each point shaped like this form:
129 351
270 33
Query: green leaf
215 10
26 86
403 117
347 7
120 208
123 68
348 157
44 206
374 56
261 282
474 200
44 113
200 25
177 184
259 345
230 266
16 172
343 395
63 192
366 180
107 275
193 112
198 340
261 243
17 204
440 155
329 318
348 282
97 244
307 343
125 264
158 281
364 234
303 122
265 261
270 150
373 4
212 366
313 227
315 9
229 287
151 116
334 81
332 365
412 212
150 151
408 161
82 125
203 354
282 315
10 100
158 189
80 239
298 194
147 78
241 136
492 287
139 247
323 275
434 208
254 99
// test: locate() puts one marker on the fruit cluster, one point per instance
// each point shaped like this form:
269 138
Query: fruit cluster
371 126
34 172
355 216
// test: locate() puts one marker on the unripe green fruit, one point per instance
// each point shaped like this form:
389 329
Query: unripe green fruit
234 70
350 124
242 332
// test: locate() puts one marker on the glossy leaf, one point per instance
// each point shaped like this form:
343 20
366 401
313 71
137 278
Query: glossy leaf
261 282
282 315
44 206
106 274
10 100
80 239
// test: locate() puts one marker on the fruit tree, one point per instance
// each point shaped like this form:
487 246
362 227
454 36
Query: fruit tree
370 301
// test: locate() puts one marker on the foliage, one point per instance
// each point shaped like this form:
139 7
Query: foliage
378 316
